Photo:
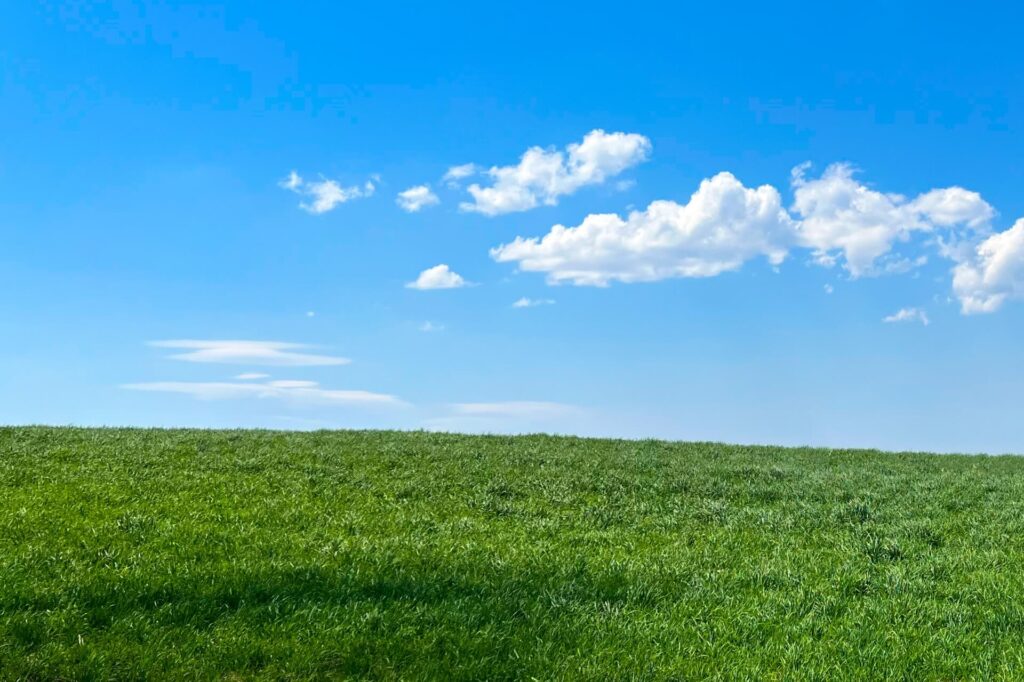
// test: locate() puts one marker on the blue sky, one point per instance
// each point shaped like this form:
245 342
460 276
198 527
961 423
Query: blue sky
155 245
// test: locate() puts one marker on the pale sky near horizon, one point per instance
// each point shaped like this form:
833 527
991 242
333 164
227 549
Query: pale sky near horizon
761 222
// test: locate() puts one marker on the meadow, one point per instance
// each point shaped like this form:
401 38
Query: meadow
186 554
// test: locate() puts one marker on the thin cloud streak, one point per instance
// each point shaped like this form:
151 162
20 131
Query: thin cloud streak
245 352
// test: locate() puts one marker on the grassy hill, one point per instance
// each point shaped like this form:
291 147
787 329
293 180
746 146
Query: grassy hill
255 554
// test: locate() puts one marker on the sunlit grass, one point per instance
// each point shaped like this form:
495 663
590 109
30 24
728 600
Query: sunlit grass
195 554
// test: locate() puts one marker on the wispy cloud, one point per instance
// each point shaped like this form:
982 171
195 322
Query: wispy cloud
294 391
544 175
525 302
515 416
416 198
238 352
324 194
514 408
908 315
250 376
429 326
438 277
456 174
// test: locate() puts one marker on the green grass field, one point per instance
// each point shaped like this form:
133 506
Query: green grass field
167 554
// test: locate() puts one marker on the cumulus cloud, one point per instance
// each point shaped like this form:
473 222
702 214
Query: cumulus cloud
273 353
908 315
839 219
525 302
438 277
544 175
993 273
324 195
839 216
723 225
456 174
293 391
416 198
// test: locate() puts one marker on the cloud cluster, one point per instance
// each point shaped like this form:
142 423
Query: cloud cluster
270 353
544 175
438 277
838 216
324 195
839 219
416 198
294 391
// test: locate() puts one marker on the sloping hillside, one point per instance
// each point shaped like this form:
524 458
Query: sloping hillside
256 554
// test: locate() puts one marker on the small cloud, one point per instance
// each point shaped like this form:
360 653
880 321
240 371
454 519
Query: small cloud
325 194
456 174
292 182
625 185
293 391
829 289
416 198
532 302
310 313
429 326
908 315
274 353
250 376
438 277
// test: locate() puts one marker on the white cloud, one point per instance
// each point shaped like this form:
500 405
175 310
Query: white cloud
829 288
519 409
838 215
908 315
298 392
325 194
532 302
456 174
953 206
429 326
292 182
544 175
722 226
993 273
438 277
842 221
274 353
416 198
249 376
